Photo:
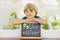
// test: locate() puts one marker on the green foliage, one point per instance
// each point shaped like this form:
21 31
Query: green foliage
58 0
55 18
14 27
46 27
12 18
59 24
13 14
55 23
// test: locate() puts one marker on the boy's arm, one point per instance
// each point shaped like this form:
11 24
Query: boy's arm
41 21
17 22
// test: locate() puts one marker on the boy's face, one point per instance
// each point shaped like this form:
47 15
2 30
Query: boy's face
30 13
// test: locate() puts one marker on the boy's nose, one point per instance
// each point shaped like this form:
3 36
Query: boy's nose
29 12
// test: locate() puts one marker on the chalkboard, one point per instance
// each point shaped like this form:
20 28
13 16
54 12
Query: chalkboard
30 30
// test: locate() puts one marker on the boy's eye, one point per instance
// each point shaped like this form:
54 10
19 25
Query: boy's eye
26 11
31 10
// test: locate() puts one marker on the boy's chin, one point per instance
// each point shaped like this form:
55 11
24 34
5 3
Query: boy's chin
30 16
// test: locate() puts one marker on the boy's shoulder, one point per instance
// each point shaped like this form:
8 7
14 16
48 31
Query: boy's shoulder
24 17
38 17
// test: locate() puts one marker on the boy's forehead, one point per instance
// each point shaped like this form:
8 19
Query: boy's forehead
30 8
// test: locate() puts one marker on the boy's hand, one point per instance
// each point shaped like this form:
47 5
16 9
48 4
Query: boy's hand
41 21
17 22
31 20
28 20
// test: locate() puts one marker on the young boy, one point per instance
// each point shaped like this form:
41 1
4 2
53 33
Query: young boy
31 12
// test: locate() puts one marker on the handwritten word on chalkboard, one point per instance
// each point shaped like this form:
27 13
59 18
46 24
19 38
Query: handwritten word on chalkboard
31 30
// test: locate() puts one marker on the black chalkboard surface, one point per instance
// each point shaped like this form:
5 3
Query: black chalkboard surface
30 30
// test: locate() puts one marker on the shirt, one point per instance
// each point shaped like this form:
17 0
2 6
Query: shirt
38 17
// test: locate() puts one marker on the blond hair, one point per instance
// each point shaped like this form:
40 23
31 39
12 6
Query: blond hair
31 7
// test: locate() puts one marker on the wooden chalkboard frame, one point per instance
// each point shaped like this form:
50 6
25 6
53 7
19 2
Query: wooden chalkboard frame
29 37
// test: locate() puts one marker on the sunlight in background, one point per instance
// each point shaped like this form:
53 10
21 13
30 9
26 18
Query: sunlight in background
50 6
46 8
15 1
50 2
